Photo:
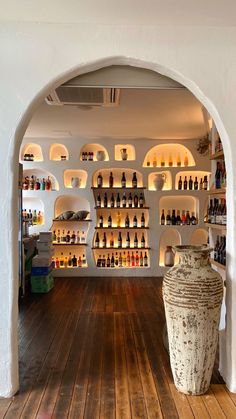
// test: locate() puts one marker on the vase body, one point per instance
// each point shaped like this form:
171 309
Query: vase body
100 155
124 154
75 182
192 293
159 181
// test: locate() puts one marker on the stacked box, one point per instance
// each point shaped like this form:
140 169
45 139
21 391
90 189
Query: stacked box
41 273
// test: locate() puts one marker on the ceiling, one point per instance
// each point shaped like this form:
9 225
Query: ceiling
130 12
143 113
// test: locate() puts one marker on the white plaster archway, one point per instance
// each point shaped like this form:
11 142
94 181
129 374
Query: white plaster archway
10 368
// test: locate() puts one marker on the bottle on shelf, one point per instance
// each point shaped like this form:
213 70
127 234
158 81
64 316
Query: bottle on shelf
190 183
108 261
145 259
186 160
83 237
142 220
112 240
134 180
170 160
205 183
180 183
130 200
124 200
185 183
120 260
73 238
136 259
116 260
173 218
127 240
143 241
132 259
183 218
58 236
154 162
109 221
136 201
99 181
127 222
119 242
163 163
105 200
68 237
123 180
98 201
54 236
163 219
178 161
62 261
112 261
79 262
69 261
141 260
178 219
97 241
168 218
35 218
104 241
124 260
141 200
169 258
218 175
188 221
196 184
135 221
112 201
57 263
101 221
78 237
118 220
111 180
128 260
74 261
135 240
118 201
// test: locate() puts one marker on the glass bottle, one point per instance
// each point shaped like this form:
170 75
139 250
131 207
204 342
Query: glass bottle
137 260
111 180
128 259
180 183
62 261
123 180
141 200
190 183
141 259
168 218
112 240
120 260
101 221
97 241
163 218
104 241
68 237
185 183
145 259
127 221
78 237
135 221
118 220
105 200
170 160
136 201
143 241
173 218
154 162
112 202
109 221
99 181
124 200
118 201
135 240
178 161
74 261
163 163
130 200
134 180
127 240
196 184
186 160
73 237
119 240
142 220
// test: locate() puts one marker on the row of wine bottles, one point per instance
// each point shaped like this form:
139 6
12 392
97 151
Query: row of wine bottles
87 156
193 185
119 241
129 201
176 219
69 261
32 217
220 175
217 212
169 161
123 260
33 183
110 221
122 182
220 250
68 237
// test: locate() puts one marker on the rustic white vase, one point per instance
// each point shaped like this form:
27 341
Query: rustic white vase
192 293
100 155
159 181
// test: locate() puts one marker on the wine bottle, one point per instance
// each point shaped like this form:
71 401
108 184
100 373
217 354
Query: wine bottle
183 218
111 180
141 259
104 241
135 221
118 220
69 261
109 221
168 219
134 180
68 237
124 260
112 261
123 180
163 163
178 161
127 221
101 221
128 259
135 240
97 241
112 240
163 218
141 200
108 261
170 160
205 183
196 184
136 201
143 242
173 218
99 181
116 260
98 201
118 201
188 221
142 220
62 261
119 240
127 240
120 260
193 219
218 175
130 200
74 261
137 259
105 200
201 185
112 201
186 160
124 200
132 260
178 219
190 183
180 183
145 260
185 183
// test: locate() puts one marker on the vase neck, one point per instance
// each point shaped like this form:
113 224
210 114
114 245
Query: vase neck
193 256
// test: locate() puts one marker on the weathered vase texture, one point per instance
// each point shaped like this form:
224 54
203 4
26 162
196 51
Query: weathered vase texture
192 293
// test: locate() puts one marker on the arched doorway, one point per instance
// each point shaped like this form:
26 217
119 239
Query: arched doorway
227 364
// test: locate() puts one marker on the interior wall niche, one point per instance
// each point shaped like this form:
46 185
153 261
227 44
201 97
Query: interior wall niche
178 202
199 174
169 237
75 177
70 203
169 155
99 152
120 153
34 149
58 152
167 180
42 173
199 236
117 173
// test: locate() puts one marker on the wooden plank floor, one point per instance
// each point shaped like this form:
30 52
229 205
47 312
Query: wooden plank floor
92 348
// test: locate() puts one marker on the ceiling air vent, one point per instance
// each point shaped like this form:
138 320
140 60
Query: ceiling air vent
77 95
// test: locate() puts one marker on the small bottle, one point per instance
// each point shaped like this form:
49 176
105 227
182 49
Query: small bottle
105 200
168 218
74 261
137 259
201 185
127 221
123 180
185 183
84 261
205 183
57 263
178 160
119 240
196 184
134 180
135 241
112 240
118 201
180 183
163 163
190 183
99 181
111 180
163 219
154 162
104 241
130 200
66 262
170 160
112 202
109 221
124 200
142 220
97 241
127 241
186 160
145 259
101 221
143 242
136 201
120 260
118 220
135 221
141 200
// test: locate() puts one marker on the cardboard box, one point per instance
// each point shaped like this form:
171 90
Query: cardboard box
42 284
44 246
39 261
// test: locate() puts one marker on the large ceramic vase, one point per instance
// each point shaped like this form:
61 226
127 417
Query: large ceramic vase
192 293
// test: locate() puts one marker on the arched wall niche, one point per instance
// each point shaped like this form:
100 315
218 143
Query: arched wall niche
169 237
9 263
34 149
58 152
70 203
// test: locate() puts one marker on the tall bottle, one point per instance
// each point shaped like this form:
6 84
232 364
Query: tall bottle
163 163
190 183
143 242
196 184
218 175
180 183
136 201
98 201
112 203
123 180
109 221
142 220
119 240
104 241
105 201
173 218
97 241
178 161
168 218
118 201
163 219
141 200
186 160
130 200
205 183
112 240
135 240
118 220
124 200
145 259
127 222
135 221
134 180
185 183
127 240
111 180
170 160
99 181
101 221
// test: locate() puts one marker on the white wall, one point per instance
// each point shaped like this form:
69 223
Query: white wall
34 57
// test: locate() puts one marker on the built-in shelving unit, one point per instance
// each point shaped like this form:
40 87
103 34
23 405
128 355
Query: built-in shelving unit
39 173
169 155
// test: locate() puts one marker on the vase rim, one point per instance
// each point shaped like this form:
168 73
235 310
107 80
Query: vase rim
193 248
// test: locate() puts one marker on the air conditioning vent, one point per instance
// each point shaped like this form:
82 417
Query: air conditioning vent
77 95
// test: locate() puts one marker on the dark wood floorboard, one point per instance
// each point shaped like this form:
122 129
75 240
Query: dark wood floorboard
92 348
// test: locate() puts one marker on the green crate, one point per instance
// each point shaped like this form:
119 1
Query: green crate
42 284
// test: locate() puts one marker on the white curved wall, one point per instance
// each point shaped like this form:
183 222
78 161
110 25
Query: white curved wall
188 54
